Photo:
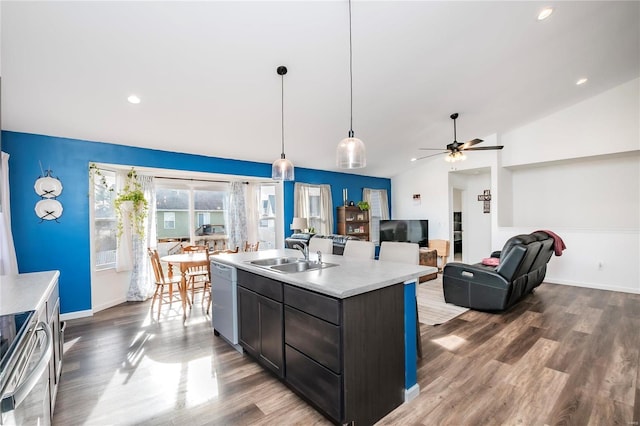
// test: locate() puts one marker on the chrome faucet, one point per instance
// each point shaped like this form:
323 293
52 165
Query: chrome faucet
319 257
303 247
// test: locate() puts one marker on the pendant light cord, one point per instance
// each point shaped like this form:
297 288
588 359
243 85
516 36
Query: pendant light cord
350 74
282 114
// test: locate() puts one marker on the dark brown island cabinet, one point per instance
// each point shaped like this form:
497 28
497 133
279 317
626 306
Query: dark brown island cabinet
344 356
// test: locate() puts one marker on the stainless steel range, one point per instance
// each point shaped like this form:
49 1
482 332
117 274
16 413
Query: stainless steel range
25 351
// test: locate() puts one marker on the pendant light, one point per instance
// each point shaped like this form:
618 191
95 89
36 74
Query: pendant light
282 168
351 153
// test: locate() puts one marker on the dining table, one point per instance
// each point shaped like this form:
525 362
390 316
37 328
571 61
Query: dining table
185 261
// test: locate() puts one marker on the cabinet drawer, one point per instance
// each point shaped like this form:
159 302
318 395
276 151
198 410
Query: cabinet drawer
323 307
316 383
314 337
261 285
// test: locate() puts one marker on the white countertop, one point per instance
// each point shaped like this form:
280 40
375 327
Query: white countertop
25 292
349 278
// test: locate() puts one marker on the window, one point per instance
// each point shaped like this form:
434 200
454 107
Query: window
378 210
169 220
187 213
105 229
172 210
314 203
267 219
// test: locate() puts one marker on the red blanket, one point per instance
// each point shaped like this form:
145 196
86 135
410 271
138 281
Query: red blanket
558 244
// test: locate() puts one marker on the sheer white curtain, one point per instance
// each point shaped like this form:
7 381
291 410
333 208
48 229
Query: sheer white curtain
253 211
378 210
319 215
326 209
141 285
237 214
8 260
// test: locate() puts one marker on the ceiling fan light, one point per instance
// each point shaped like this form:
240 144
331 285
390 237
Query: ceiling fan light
351 154
282 169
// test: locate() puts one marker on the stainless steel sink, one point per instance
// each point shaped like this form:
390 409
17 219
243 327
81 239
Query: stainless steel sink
274 261
301 266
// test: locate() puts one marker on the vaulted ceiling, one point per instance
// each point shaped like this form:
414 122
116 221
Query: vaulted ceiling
206 72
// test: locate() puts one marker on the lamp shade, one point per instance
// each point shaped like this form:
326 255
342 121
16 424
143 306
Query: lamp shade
299 223
282 169
351 154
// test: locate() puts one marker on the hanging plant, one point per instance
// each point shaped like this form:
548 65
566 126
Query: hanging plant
131 203
96 173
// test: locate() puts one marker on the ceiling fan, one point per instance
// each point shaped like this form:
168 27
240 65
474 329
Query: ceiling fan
455 149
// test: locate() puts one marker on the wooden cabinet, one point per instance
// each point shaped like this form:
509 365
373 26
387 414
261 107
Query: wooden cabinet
261 316
428 257
353 221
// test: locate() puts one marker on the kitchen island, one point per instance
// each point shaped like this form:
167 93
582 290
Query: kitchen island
342 336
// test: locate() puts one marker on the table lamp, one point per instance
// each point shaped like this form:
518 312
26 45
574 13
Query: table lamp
299 224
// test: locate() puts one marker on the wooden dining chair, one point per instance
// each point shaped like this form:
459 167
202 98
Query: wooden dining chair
161 280
198 277
251 246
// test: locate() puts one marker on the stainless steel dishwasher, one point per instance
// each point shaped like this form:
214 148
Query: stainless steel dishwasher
224 294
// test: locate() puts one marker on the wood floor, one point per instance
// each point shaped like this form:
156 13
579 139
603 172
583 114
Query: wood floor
564 355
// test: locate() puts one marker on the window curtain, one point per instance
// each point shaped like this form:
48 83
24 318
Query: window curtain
302 207
378 210
253 211
141 285
8 260
237 215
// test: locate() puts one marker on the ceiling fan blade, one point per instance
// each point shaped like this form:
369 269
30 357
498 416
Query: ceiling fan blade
472 142
430 149
484 148
431 155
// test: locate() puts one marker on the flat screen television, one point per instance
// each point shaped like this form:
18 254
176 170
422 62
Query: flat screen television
406 231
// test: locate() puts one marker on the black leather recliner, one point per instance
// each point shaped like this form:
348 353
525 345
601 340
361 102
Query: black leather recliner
523 265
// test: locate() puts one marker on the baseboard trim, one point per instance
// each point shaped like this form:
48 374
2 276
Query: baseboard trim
411 393
591 285
76 314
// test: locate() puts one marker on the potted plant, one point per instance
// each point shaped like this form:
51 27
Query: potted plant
131 202
363 205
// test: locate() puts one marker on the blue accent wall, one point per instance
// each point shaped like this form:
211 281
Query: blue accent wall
64 246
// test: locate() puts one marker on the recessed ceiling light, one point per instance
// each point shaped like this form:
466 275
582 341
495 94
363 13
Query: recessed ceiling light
133 99
581 81
414 159
545 13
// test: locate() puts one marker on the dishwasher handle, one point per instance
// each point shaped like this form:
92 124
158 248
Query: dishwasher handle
15 398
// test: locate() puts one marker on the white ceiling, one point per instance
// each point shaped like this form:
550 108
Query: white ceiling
206 72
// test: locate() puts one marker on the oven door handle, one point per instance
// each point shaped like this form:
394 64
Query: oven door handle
14 399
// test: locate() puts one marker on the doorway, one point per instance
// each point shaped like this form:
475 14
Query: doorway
457 225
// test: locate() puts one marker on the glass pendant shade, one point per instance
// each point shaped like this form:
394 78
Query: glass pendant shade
282 169
351 154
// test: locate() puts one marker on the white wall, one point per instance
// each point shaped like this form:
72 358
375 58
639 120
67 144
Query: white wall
576 172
